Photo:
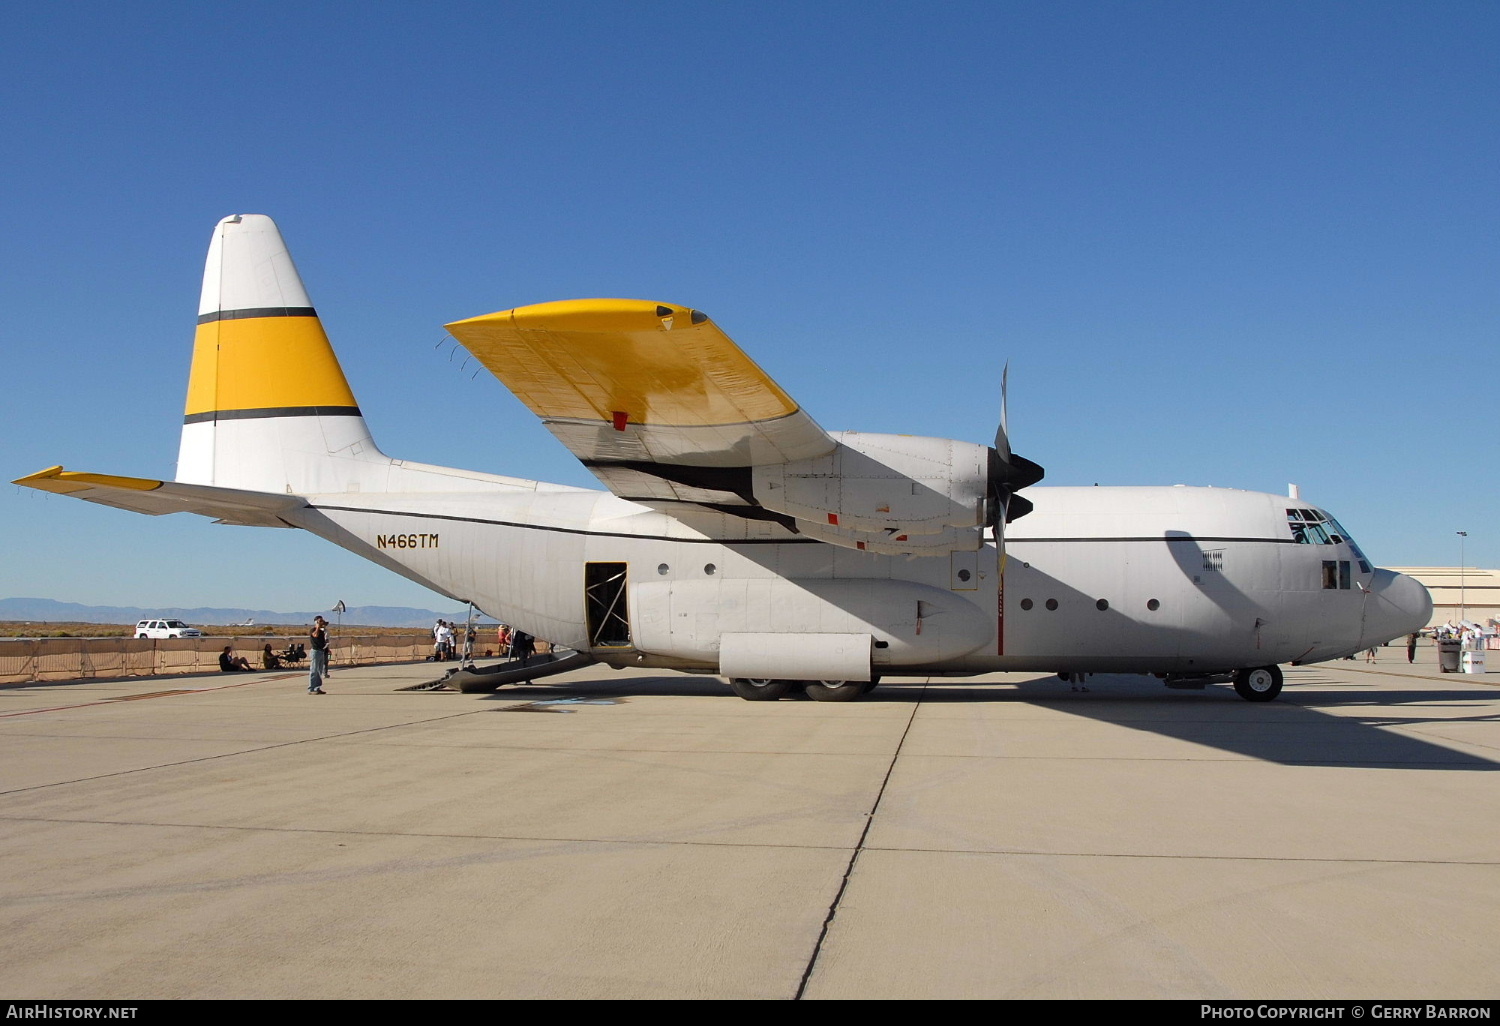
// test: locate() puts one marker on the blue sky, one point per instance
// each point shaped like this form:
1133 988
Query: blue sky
1238 244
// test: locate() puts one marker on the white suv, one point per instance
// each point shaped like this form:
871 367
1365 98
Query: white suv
166 629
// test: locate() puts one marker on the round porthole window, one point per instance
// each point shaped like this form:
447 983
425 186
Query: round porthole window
662 569
710 569
1153 605
1052 603
1102 605
964 575
1026 603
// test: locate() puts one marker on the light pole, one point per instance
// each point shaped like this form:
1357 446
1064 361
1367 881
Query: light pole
1463 608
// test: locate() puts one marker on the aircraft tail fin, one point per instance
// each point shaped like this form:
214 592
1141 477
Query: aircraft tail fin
268 406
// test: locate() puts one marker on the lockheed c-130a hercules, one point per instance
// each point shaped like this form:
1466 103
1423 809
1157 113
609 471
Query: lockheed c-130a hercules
737 536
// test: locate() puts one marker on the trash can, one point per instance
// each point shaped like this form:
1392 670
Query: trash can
1448 653
1473 661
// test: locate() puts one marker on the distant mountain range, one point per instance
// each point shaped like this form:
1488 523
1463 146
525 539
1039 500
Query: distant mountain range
37 610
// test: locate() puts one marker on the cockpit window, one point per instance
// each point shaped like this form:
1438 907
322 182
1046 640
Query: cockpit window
1314 527
1364 564
1307 527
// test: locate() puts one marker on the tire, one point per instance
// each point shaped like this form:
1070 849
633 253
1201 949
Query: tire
759 690
1258 683
141 637
835 690
869 685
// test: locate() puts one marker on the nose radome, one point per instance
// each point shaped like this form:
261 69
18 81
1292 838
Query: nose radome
1397 605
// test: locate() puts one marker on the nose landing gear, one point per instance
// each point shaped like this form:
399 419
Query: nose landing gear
1258 683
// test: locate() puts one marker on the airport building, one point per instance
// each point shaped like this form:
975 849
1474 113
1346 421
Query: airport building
1459 593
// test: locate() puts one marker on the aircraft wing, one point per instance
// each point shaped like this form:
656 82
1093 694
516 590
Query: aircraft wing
654 399
143 495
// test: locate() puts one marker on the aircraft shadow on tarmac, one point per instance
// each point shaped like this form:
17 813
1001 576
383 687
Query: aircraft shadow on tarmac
1360 728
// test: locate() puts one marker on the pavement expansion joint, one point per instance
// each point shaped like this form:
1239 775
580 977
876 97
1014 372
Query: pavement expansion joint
833 907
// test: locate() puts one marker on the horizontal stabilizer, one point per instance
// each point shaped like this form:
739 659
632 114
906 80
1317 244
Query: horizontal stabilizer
154 498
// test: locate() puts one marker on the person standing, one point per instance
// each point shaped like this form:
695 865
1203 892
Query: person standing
1411 647
318 666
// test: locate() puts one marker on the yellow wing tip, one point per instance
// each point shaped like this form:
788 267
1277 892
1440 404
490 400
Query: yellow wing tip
34 480
615 315
56 479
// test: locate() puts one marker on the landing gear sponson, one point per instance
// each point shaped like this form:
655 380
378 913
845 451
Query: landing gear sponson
1253 684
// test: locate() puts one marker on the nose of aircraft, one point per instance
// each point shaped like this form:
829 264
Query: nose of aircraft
1396 605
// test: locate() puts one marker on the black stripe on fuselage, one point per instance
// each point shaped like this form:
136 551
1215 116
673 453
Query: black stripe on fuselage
257 311
723 541
571 530
1157 538
273 411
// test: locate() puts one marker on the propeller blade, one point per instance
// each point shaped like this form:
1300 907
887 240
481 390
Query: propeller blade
1002 435
1009 473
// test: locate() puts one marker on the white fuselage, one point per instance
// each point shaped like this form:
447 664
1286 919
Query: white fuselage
737 536
1150 580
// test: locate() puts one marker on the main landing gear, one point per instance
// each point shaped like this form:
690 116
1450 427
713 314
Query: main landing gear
1258 683
753 689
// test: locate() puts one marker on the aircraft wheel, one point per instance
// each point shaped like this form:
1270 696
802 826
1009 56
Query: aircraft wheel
835 690
754 689
869 685
1258 683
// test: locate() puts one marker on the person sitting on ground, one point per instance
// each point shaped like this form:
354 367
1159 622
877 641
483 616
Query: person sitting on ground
229 662
269 660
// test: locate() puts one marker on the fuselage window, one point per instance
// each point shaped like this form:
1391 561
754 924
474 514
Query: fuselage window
1330 574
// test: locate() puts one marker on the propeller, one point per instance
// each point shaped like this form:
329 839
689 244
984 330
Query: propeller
1008 472
1002 433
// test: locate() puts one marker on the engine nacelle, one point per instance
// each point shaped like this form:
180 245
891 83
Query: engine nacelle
884 485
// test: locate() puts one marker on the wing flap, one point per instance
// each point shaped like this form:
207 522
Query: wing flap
157 498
